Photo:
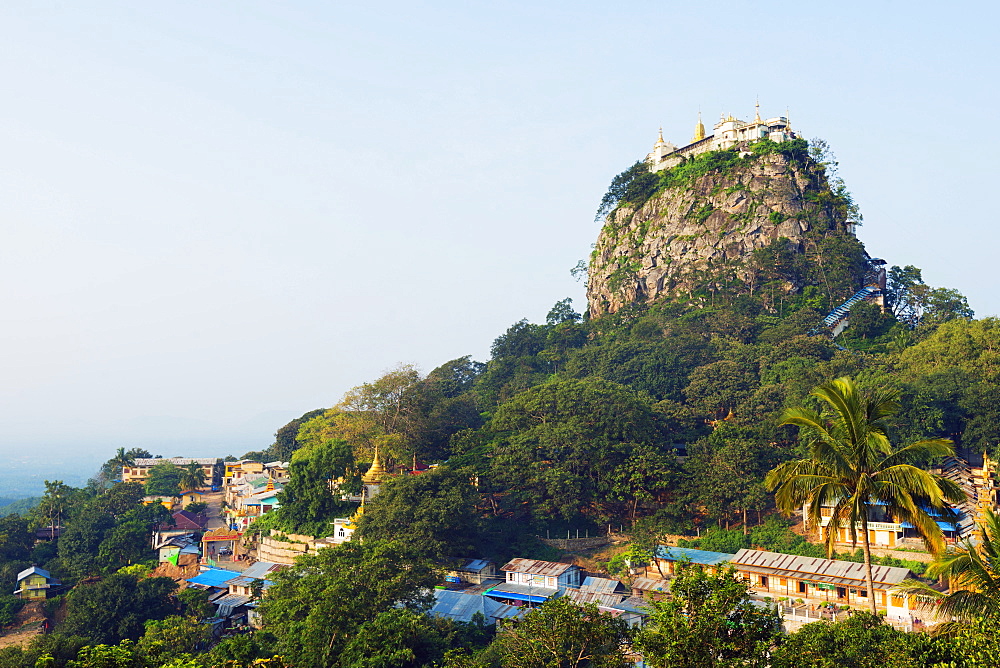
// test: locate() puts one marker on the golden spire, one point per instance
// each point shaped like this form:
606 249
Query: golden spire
699 130
659 138
375 472
756 117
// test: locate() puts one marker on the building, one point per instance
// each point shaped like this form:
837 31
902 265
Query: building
472 571
728 132
179 550
534 581
139 471
822 580
35 583
461 606
885 531
667 558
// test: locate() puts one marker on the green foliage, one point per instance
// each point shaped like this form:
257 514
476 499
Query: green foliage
317 606
196 507
308 504
174 637
164 480
116 607
399 638
564 634
632 187
9 606
860 641
438 509
707 621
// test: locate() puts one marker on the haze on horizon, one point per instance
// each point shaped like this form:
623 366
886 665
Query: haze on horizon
221 216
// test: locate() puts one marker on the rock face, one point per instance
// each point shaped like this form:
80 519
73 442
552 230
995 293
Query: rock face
700 233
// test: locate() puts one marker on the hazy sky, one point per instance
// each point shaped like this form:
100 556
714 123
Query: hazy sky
220 215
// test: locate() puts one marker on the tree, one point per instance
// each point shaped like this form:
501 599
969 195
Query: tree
852 466
171 638
562 634
397 638
317 606
117 607
56 501
437 509
80 542
973 575
562 311
308 501
164 480
192 477
862 640
708 621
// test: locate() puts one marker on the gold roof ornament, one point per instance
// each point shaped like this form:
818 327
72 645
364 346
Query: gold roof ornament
376 472
756 116
659 138
699 130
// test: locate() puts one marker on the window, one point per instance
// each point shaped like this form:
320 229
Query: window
763 581
802 587
897 601
783 582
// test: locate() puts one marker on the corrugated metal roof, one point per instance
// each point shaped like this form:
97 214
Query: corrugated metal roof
810 568
262 569
177 461
536 567
522 592
602 600
650 584
34 570
473 565
636 604
704 557
214 577
601 585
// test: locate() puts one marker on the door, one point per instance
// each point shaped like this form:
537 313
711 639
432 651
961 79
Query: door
841 592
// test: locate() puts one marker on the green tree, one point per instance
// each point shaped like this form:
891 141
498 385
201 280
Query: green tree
172 638
397 638
192 477
104 656
862 640
80 542
708 621
438 509
116 607
308 501
562 634
317 606
972 572
852 466
164 480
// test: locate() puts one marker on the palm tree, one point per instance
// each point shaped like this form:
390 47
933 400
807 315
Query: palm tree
852 467
973 574
121 460
192 476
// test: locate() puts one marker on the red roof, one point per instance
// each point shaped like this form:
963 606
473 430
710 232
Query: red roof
185 520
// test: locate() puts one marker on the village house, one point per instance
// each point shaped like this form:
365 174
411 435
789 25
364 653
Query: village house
179 550
35 583
823 580
667 558
534 581
472 571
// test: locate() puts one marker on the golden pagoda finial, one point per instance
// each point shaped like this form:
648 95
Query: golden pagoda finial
699 130
375 472
659 138
756 117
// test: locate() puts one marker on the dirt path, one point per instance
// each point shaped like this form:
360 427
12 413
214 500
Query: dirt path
214 510
27 625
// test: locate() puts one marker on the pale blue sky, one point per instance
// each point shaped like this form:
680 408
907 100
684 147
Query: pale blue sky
220 215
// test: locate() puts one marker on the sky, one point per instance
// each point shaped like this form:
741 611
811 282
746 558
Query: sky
218 216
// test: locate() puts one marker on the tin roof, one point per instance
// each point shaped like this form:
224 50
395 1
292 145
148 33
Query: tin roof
473 565
461 606
261 569
650 584
602 600
536 567
214 577
703 557
832 571
523 592
178 461
601 586
34 570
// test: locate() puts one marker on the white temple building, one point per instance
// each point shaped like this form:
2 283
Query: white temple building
728 132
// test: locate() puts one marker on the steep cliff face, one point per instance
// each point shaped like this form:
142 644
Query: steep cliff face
733 220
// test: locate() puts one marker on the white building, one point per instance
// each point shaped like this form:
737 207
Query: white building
728 132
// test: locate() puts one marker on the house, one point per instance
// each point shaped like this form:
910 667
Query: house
191 496
472 571
667 558
168 502
603 586
179 550
884 530
140 468
534 581
632 609
822 580
644 587
35 583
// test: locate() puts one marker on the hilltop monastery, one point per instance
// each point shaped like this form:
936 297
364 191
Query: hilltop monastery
728 132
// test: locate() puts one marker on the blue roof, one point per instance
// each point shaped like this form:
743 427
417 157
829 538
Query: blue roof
461 607
704 557
214 577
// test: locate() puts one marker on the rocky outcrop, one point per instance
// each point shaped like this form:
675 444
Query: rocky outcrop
700 232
